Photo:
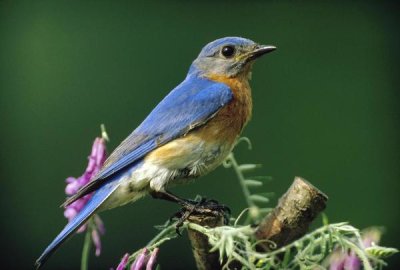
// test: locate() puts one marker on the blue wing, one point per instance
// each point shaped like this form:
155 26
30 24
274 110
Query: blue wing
92 205
189 105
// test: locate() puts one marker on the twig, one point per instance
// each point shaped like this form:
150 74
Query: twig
289 221
295 211
205 260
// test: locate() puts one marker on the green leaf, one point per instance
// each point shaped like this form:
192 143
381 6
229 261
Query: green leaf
267 194
248 167
104 134
253 183
286 258
258 198
325 219
265 211
381 252
159 227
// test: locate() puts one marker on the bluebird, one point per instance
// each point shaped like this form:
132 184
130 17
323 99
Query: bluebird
188 134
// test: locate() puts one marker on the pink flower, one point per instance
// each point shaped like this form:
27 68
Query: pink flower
96 160
145 261
349 261
124 262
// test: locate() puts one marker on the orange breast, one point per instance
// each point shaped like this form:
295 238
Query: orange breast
228 123
210 143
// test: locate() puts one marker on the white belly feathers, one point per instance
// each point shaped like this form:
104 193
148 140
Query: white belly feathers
172 163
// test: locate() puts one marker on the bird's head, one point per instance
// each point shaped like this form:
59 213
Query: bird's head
229 56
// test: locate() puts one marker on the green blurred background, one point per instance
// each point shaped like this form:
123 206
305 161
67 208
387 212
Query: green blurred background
325 108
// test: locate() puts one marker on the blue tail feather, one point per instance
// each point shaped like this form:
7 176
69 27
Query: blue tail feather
92 205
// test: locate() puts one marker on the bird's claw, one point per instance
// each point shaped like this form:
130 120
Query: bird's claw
200 207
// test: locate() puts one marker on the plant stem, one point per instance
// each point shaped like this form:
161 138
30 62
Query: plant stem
241 178
86 247
166 234
168 231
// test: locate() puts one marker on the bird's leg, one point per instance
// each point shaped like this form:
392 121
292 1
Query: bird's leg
189 207
202 204
168 196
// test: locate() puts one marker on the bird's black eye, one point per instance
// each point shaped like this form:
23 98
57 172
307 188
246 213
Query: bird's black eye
228 51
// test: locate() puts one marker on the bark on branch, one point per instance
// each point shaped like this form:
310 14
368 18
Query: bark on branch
295 211
290 220
205 260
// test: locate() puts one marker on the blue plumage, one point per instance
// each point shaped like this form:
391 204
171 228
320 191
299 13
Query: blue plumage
92 205
214 46
189 105
127 175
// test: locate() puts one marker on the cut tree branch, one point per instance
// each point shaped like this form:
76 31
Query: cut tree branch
295 211
289 221
205 260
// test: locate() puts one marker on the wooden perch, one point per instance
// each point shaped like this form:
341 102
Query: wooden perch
291 218
205 260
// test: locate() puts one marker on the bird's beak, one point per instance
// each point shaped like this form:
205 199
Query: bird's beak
259 51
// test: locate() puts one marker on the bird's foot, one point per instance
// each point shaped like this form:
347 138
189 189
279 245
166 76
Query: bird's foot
201 207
